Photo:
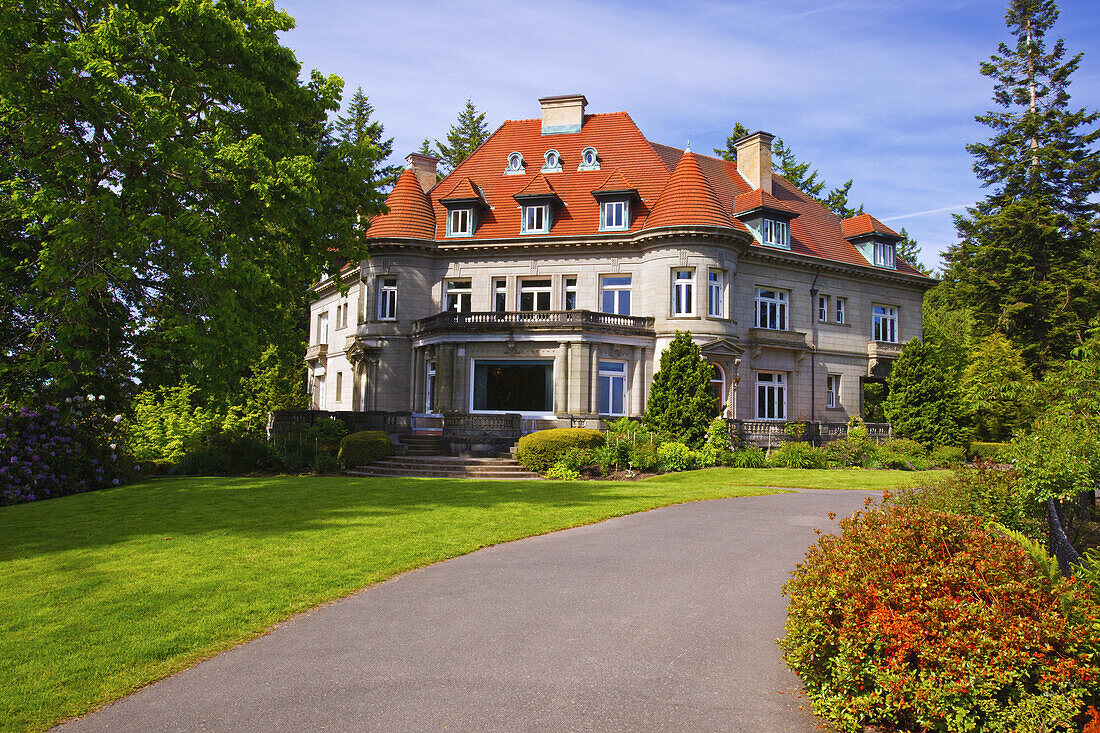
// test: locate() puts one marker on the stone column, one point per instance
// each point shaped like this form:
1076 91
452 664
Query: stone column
561 379
594 379
417 378
578 377
444 374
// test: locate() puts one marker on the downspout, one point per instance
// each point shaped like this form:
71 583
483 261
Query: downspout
813 353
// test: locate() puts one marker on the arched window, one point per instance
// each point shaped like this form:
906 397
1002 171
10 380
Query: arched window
515 164
718 387
552 162
590 160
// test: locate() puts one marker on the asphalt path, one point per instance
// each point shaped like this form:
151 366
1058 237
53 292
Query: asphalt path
665 620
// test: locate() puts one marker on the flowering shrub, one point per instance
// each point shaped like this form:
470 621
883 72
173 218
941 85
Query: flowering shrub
912 619
49 452
981 490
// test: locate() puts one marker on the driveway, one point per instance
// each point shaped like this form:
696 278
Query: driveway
664 620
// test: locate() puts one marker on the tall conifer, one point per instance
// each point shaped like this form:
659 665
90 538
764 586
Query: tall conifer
464 137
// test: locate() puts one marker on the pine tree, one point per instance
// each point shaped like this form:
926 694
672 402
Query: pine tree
908 249
924 403
997 385
730 151
787 165
680 404
363 143
1026 260
464 137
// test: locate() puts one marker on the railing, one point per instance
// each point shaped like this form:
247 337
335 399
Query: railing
465 424
766 433
878 349
578 320
775 337
285 421
316 351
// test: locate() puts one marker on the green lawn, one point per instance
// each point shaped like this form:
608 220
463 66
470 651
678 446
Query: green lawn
104 592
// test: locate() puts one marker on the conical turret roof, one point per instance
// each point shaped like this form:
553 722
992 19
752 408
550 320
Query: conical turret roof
410 212
688 199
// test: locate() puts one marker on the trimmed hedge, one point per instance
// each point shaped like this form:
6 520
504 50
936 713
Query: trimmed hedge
995 452
541 450
364 447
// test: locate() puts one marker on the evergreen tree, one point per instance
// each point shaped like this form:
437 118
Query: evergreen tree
361 138
949 329
1026 259
836 201
908 249
680 404
730 151
787 165
463 138
924 403
997 385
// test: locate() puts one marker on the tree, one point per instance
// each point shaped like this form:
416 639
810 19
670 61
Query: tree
168 189
997 386
908 249
949 329
680 404
363 138
464 137
730 151
1027 252
924 403
787 165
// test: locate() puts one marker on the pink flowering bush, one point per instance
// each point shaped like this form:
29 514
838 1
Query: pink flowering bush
50 451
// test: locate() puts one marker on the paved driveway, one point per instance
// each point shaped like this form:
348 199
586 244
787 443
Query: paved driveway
665 620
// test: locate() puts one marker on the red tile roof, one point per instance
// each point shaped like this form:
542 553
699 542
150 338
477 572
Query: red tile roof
410 212
688 199
866 224
615 183
538 187
648 167
759 199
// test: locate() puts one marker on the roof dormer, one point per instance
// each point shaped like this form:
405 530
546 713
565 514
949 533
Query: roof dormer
537 201
616 197
875 241
464 204
768 218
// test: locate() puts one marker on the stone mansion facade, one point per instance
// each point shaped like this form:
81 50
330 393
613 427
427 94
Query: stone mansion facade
547 272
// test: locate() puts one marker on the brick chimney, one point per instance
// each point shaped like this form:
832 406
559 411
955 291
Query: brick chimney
562 114
754 159
424 168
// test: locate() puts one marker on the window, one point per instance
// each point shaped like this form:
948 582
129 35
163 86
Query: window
429 387
342 315
771 396
612 387
832 390
513 385
460 223
569 294
322 328
777 233
884 323
534 295
536 218
884 255
614 216
552 162
771 309
339 386
387 299
840 305
590 160
683 300
823 308
515 164
718 386
322 382
458 296
615 294
715 301
500 295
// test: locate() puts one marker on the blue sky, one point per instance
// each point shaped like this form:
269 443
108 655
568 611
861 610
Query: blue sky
881 92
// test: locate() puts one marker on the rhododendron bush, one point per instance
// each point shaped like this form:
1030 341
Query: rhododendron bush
917 620
52 451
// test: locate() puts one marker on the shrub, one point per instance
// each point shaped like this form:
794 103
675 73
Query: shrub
324 463
797 455
906 447
996 452
855 449
609 457
538 451
576 458
918 620
924 401
718 434
643 457
680 402
367 446
748 458
708 457
948 456
890 460
168 422
560 471
981 491
1059 459
225 454
326 434
674 457
158 467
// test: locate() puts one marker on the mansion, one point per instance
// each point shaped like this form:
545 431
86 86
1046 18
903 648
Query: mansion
545 275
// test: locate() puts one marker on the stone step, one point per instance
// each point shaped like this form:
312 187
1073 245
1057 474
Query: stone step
446 467
454 460
392 472
466 468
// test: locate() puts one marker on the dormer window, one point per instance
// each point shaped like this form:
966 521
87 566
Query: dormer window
776 233
615 216
536 218
552 162
884 255
515 165
460 222
590 160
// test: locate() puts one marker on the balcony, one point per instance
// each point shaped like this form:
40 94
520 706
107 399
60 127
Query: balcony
534 321
316 351
883 350
777 339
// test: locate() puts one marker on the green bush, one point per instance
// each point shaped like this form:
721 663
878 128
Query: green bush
168 422
561 471
680 403
708 457
748 458
674 457
887 459
576 458
541 450
798 455
718 434
326 434
906 447
948 456
643 457
156 467
995 452
854 450
367 446
917 620
324 463
225 454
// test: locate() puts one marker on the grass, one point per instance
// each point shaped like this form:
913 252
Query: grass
102 593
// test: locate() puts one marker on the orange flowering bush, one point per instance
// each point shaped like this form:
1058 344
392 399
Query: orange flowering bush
917 620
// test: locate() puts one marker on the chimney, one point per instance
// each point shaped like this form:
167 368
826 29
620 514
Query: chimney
424 168
562 114
754 159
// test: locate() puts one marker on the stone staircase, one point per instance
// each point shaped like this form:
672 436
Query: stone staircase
423 444
437 466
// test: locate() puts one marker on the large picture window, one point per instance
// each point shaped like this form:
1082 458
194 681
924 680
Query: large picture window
615 294
884 323
458 296
771 396
612 388
514 386
771 309
534 295
683 292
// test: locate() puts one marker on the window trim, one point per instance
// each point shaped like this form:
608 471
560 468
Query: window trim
457 210
617 288
889 316
566 290
429 386
841 310
822 308
384 292
535 292
885 254
449 290
781 303
778 389
771 227
500 288
594 165
624 225
832 391
547 167
720 378
545 218
680 284
515 165
322 328
716 304
612 375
